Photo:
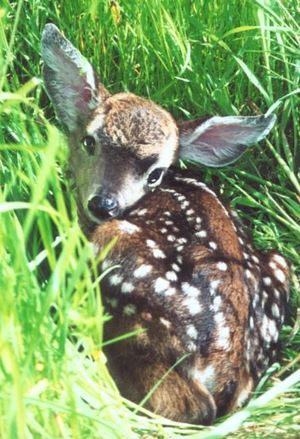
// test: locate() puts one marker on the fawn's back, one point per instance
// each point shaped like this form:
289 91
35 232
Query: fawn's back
206 307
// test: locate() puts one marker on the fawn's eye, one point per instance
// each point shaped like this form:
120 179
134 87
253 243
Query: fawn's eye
155 176
89 144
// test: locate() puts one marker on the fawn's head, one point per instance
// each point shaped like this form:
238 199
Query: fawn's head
122 145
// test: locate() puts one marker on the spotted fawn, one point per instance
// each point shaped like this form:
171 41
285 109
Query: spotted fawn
206 306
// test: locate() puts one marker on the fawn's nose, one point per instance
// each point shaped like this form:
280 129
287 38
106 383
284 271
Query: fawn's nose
103 205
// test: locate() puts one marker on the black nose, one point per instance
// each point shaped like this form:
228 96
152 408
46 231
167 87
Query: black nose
104 206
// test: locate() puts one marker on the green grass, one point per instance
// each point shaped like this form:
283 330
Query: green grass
194 58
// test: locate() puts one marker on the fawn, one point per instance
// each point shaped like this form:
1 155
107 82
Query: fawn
187 275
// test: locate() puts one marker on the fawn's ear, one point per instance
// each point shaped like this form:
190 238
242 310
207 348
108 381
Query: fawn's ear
220 141
69 78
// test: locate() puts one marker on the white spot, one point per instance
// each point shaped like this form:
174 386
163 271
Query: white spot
192 331
163 230
198 220
133 212
201 234
181 197
255 259
129 310
185 204
127 287
234 213
106 263
279 274
175 229
255 300
267 281
242 242
217 303
165 322
150 243
212 245
157 253
115 279
264 329
161 285
171 191
273 330
113 302
179 248
280 259
193 305
222 266
142 212
223 339
171 238
186 179
175 267
248 274
220 319
277 294
189 290
264 299
127 227
169 292
167 213
251 323
214 285
246 256
261 355
179 259
191 346
169 223
142 271
273 265
275 310
182 240
190 212
205 376
222 332
172 276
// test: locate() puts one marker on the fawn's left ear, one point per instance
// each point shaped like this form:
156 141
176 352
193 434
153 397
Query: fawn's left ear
69 78
220 141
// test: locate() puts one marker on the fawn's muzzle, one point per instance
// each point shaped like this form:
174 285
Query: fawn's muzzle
103 206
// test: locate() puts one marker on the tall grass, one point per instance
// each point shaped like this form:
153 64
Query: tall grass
194 58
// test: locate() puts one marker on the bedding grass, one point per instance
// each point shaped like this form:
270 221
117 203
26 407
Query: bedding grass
194 58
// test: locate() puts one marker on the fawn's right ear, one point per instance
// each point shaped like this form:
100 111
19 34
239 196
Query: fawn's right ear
69 78
219 141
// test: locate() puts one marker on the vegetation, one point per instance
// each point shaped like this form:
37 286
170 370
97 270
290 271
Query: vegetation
194 57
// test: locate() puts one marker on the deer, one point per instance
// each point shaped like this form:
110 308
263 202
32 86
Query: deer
206 307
